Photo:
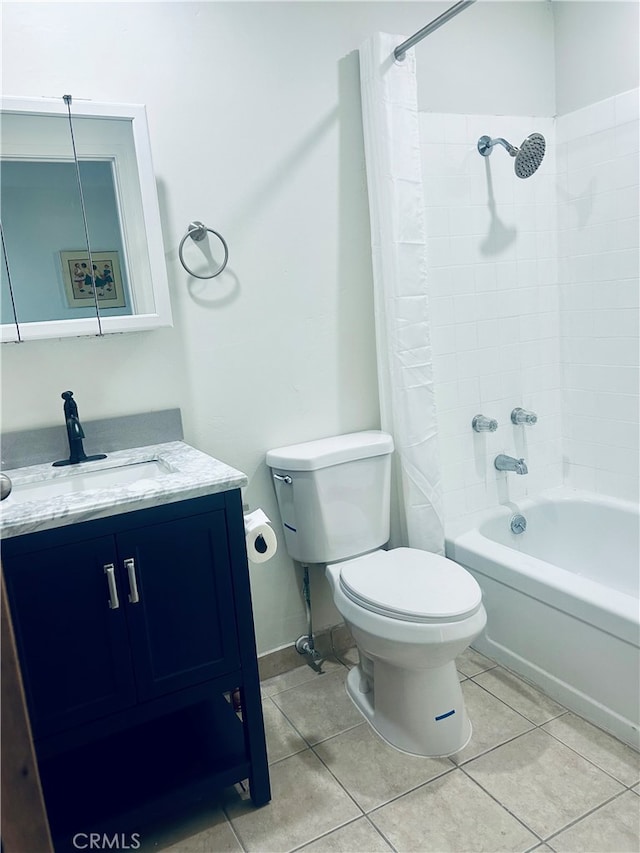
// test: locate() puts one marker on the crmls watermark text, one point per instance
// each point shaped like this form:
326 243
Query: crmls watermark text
103 841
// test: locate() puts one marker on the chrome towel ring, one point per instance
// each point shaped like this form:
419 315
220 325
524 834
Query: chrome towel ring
197 231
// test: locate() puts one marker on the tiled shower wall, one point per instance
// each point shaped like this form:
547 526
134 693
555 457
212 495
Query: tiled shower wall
598 195
492 257
534 302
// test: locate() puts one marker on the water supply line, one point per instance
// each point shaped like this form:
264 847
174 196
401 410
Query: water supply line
305 645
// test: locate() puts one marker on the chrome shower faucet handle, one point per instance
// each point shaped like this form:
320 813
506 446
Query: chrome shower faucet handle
483 424
522 416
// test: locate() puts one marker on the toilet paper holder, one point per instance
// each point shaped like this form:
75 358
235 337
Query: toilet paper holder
260 538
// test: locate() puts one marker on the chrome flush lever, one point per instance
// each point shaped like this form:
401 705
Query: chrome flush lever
284 478
130 566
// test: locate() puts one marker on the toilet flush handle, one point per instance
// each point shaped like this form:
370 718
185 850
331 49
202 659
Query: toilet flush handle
285 478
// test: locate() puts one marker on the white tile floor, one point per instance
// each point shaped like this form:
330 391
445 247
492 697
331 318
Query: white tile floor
534 777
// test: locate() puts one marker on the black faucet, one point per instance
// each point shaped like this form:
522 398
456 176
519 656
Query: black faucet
75 434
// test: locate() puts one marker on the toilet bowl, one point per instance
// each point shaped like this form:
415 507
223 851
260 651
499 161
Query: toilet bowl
411 613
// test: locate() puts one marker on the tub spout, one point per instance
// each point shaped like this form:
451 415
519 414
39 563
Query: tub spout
508 463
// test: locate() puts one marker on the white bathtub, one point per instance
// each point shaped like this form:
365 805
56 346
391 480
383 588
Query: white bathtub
562 600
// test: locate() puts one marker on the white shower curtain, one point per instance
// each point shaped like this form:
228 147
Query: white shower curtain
398 241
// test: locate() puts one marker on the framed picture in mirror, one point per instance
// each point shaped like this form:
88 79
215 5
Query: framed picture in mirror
79 280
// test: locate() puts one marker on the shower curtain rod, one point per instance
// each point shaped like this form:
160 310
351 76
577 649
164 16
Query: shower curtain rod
401 50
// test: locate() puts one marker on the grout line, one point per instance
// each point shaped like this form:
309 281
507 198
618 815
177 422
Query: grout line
305 745
585 815
310 745
444 773
297 731
590 760
380 833
342 826
520 713
351 797
324 834
394 798
506 704
537 847
342 660
571 823
343 731
234 831
347 792
565 712
285 757
480 672
302 683
497 746
507 810
386 802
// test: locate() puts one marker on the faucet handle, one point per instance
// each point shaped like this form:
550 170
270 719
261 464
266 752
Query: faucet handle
483 424
522 416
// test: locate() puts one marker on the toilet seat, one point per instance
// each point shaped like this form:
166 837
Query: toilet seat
411 585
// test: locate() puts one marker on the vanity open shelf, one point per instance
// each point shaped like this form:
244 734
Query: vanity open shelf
145 772
133 631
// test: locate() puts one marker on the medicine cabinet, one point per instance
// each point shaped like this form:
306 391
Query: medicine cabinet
77 191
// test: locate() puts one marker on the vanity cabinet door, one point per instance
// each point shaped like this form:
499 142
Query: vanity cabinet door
183 624
71 633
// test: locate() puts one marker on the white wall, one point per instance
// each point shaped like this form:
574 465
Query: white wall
597 75
41 215
596 50
495 57
598 189
254 113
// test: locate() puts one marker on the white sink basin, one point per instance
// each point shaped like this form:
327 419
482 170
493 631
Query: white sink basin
72 481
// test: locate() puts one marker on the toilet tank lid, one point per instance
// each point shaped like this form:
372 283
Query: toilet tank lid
311 455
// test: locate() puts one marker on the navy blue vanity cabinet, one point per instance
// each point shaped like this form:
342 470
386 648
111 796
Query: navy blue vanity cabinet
179 603
74 649
104 623
133 632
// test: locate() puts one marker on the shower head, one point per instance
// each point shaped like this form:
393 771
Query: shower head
528 156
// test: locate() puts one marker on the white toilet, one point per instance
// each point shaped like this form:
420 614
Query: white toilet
410 612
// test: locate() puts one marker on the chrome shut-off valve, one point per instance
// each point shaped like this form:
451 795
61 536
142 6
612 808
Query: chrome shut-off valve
522 416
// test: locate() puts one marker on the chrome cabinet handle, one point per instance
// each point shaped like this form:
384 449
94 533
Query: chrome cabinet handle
130 566
284 478
110 572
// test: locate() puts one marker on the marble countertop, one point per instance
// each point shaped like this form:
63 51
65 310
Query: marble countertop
189 474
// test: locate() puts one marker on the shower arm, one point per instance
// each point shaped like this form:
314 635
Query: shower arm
485 145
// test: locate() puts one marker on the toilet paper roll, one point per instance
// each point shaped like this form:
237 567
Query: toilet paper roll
259 536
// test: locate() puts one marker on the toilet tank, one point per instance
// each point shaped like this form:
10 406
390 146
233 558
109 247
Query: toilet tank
333 495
